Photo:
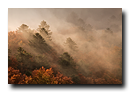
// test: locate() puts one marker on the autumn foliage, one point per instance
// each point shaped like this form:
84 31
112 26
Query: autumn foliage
15 77
40 76
34 59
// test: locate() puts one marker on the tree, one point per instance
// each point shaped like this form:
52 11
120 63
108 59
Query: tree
38 38
39 44
66 60
71 44
24 59
44 30
40 76
43 76
23 28
15 77
23 55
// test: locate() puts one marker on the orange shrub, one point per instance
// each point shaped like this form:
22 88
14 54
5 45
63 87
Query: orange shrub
40 76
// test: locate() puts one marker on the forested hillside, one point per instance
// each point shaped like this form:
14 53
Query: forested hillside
93 58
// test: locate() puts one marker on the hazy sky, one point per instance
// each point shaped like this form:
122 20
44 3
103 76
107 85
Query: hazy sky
58 18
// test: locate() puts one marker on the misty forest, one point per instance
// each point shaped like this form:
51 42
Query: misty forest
65 46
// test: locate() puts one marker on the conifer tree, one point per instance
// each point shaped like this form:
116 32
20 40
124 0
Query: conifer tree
71 44
44 30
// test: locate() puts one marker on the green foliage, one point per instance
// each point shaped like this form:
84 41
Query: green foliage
66 60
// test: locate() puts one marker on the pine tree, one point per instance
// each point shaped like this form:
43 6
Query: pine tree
71 44
39 44
23 28
44 30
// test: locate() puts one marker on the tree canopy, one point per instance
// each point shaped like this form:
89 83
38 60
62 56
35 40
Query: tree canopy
44 30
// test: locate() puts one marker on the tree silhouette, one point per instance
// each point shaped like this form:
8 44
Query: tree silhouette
23 56
39 44
23 28
71 44
66 60
44 30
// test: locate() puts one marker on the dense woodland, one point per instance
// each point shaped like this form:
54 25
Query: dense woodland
33 58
